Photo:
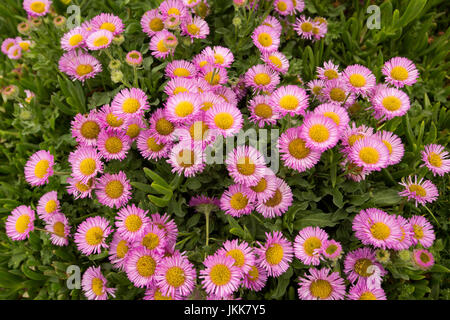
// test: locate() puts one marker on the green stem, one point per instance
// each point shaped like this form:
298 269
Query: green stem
207 212
61 173
47 231
135 82
432 215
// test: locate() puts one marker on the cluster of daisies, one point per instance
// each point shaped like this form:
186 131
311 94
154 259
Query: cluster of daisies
14 47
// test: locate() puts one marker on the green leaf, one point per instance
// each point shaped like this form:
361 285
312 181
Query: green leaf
387 197
283 282
155 177
314 219
412 11
440 268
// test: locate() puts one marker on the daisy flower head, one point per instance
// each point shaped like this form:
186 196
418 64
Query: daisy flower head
276 60
210 99
279 203
75 38
262 112
113 190
394 145
400 72
161 129
86 163
265 188
359 265
118 250
353 171
246 165
159 46
319 30
336 113
423 232
200 61
319 132
169 227
134 58
266 38
99 40
377 228
180 69
191 3
436 159
36 8
86 128
227 94
179 85
59 227
131 222
361 291
321 285
359 79
48 205
315 87
388 103
15 52
109 120
242 253
133 127
129 103
91 235
94 285
329 71
213 76
109 22
331 249
20 223
275 254
182 108
113 145
152 22
7 44
255 279
237 201
304 27
152 238
284 7
220 276
79 66
294 153
141 265
224 119
353 133
79 189
262 78
370 153
336 91
422 191
187 158
219 57
273 22
197 132
39 168
150 148
202 201
173 7
423 259
405 241
290 99
175 275
308 245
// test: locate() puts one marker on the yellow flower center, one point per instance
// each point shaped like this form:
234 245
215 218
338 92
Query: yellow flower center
331 74
218 58
333 116
238 256
274 254
253 274
399 73
184 108
83 187
276 61
50 206
361 266
88 166
420 191
150 241
133 130
84 69
146 266
367 296
94 236
282 6
369 155
101 41
58 229
113 145
357 80
175 276
113 121
319 133
174 11
435 159
265 39
164 127
24 45
159 296
198 130
238 201
22 223
311 244
418 232
153 145
131 105
181 72
263 110
37 6
297 149
186 158
315 30
391 103
161 46
320 289
193 29
122 249
353 138
207 105
380 231
220 275
262 79
317 90
133 223
261 186
245 166
211 80
114 189
97 286
156 24
289 102
223 120
40 170
108 26
306 27
388 145
178 90
90 130
337 94
275 200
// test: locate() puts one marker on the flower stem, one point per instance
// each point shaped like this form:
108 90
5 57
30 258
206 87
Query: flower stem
432 215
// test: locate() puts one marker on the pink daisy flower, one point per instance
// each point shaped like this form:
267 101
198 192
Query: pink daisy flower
36 8
200 61
423 232
279 203
284 7
304 27
129 102
289 99
321 285
91 235
20 223
329 71
209 100
150 148
331 249
79 189
337 92
370 153
226 94
175 275
266 39
173 7
218 56
7 44
405 241
224 119
85 128
158 44
134 58
422 191
353 133
336 113
113 190
109 22
436 159
79 66
48 205
15 52
246 165
153 238
94 285
220 276
359 79
394 145
308 245
261 77
237 201
118 251
131 222
400 72
39 168
168 226
109 120
361 291
141 265
273 22
315 87
113 145
277 61
388 103
319 132
265 188
319 30
423 259
294 153
86 163
275 255
255 279
161 128
212 75
202 201
154 293
197 133
59 227
152 22
182 108
187 158
359 263
180 69
262 112
242 253
195 28
179 85
99 40
133 127
74 39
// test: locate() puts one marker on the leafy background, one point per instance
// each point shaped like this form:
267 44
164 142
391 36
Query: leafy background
417 29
